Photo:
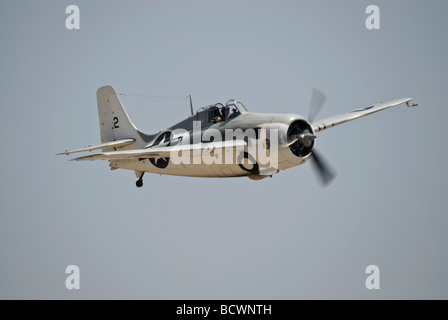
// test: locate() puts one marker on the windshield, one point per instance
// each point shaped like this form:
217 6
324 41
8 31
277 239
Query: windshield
236 104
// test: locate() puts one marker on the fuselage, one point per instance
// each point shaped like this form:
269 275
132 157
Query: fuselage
257 130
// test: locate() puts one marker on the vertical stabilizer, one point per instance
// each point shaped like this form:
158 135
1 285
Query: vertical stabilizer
114 121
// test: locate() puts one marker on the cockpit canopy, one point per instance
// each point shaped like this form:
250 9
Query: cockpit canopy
220 113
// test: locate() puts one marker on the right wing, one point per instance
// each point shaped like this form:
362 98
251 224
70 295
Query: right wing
321 125
163 152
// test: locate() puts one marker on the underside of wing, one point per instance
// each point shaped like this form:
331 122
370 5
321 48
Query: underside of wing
335 120
163 151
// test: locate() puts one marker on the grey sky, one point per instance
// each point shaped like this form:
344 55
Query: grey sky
279 238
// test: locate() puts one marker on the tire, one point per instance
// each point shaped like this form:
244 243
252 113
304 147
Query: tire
255 168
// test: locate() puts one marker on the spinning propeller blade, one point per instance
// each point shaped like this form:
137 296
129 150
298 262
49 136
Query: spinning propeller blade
321 167
318 98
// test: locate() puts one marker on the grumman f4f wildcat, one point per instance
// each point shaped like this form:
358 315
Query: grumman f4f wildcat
218 140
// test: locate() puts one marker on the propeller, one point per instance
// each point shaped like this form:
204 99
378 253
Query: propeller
321 167
318 98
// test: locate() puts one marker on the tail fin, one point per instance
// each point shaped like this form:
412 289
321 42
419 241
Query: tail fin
114 121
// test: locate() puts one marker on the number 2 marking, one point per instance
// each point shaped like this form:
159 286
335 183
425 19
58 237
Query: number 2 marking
116 126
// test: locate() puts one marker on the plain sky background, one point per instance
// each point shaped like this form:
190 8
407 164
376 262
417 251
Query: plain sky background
192 238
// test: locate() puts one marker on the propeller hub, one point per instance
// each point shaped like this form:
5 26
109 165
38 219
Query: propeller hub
306 138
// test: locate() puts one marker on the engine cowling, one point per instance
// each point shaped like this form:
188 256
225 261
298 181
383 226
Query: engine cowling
300 138
295 139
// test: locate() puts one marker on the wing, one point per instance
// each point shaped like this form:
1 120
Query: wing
117 143
326 123
162 152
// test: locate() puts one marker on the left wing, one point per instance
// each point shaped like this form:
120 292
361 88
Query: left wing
116 143
330 122
163 152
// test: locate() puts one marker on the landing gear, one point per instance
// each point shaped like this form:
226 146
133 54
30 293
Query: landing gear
139 182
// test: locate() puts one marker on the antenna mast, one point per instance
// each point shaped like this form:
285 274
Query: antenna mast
191 104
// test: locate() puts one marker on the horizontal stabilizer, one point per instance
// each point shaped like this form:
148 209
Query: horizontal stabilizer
118 143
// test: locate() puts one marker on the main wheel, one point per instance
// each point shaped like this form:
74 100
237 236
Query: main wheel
139 183
251 161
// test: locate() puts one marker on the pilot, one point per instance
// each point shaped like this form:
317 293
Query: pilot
216 115
224 113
